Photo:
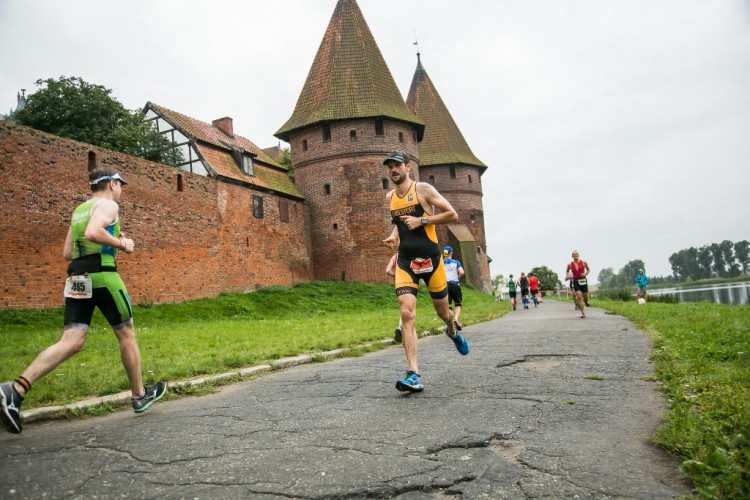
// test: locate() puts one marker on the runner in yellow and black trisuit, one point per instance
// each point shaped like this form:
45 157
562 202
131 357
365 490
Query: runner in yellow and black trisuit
412 204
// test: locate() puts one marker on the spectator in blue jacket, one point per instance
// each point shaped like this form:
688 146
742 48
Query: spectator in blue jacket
641 281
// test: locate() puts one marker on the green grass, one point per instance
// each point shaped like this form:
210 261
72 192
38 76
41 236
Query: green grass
211 336
701 355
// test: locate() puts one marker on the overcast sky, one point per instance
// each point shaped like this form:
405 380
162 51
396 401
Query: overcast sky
618 128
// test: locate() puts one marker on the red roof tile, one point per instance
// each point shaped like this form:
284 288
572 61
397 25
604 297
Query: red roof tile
348 78
443 142
216 148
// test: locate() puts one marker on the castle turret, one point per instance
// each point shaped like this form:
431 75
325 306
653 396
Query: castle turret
447 162
349 116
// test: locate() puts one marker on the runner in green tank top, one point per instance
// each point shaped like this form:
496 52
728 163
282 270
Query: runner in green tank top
83 247
91 246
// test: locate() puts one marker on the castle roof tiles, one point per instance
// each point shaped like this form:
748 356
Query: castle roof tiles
443 142
216 146
349 78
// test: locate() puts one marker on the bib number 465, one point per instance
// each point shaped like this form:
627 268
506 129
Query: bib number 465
78 287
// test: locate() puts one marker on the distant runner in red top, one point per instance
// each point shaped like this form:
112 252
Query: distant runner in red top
578 270
534 286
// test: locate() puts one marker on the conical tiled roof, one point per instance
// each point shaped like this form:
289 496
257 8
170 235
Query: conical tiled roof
348 78
443 142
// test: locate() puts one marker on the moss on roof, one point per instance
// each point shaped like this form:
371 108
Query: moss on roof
216 149
443 142
349 78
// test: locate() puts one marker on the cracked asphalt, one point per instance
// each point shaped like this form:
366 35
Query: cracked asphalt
545 405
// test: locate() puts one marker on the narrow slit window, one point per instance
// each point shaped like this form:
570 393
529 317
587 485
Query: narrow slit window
379 129
352 136
453 172
284 210
304 144
92 161
400 137
258 206
327 188
180 183
384 180
326 133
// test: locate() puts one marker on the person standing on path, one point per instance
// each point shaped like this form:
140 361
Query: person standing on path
412 206
578 270
92 242
453 273
512 291
641 281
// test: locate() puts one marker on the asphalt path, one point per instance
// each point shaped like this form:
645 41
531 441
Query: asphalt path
545 405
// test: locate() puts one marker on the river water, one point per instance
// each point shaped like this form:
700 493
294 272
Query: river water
727 293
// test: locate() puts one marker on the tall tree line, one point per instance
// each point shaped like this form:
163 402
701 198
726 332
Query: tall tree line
723 260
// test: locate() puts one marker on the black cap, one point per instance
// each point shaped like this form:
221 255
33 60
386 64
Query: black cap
397 156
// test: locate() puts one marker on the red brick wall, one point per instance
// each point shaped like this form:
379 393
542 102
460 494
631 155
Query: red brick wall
353 250
190 244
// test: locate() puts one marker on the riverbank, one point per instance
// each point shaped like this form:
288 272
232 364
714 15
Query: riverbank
701 355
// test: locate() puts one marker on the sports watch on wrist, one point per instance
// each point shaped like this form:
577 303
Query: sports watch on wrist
425 221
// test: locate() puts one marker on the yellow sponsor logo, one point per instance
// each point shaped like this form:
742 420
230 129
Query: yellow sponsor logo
404 211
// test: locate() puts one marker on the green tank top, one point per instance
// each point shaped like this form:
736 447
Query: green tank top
83 247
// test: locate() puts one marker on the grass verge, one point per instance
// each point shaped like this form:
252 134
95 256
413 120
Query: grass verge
701 355
211 336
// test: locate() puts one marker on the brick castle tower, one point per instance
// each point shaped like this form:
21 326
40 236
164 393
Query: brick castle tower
349 116
447 162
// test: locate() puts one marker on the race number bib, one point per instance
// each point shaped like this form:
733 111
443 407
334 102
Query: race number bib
582 281
421 266
78 287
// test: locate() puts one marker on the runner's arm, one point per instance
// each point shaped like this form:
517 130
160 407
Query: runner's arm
104 214
68 246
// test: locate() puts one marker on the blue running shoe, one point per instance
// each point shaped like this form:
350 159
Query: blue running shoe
412 383
460 342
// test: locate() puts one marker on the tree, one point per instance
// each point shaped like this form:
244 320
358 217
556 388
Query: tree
72 108
606 278
704 261
727 252
285 158
719 264
742 254
626 276
548 279
679 269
